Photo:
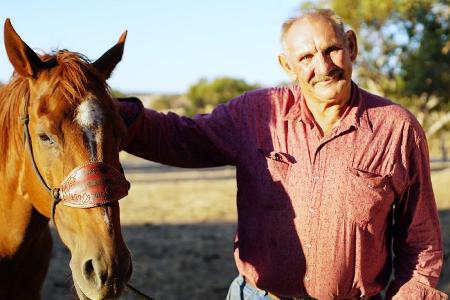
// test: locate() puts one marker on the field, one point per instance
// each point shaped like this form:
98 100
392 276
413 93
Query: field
179 225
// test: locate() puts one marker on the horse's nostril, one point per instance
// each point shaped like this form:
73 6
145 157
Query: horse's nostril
92 273
88 269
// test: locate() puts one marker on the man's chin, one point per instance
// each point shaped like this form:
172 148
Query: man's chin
327 94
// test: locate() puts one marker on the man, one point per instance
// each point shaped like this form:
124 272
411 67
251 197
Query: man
329 176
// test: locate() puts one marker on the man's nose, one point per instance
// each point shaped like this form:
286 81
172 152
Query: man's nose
324 64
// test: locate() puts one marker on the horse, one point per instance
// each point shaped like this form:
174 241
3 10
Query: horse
60 132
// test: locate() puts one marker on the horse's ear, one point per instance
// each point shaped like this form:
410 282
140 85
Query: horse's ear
24 60
108 61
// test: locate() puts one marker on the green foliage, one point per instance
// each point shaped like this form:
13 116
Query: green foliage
205 95
117 94
166 102
426 67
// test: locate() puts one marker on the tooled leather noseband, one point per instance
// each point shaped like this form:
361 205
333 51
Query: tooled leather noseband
91 185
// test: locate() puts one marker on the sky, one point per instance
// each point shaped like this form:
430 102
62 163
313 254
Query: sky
171 44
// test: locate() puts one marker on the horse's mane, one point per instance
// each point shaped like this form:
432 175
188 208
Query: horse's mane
74 77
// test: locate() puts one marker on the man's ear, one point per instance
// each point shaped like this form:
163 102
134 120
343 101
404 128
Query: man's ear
284 63
352 44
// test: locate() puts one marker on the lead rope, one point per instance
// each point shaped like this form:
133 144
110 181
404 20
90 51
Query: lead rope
137 292
55 192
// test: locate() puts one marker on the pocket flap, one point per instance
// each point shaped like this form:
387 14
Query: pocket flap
278 156
372 180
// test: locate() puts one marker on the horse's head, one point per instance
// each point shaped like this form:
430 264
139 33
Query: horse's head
72 122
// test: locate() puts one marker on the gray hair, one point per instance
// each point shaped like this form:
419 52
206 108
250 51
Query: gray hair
322 12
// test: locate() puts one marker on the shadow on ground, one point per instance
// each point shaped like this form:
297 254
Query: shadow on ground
170 262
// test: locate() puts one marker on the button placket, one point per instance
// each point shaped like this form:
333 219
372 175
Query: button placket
313 216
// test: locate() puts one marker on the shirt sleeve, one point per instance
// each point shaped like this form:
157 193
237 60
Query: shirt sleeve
413 289
205 140
417 241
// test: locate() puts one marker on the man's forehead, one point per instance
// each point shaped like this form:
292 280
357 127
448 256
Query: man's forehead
313 24
311 29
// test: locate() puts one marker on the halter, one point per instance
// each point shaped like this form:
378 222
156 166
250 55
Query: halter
91 185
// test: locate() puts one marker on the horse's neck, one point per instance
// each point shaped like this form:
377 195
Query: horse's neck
23 221
15 215
22 236
16 209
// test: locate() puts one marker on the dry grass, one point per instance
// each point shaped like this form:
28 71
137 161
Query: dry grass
441 187
183 197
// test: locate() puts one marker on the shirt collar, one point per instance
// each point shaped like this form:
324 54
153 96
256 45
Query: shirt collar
355 115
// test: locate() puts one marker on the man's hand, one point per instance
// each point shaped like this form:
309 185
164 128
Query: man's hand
129 109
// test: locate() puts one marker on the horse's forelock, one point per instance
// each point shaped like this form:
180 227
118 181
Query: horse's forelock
76 76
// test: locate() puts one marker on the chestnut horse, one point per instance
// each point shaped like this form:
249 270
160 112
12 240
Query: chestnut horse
59 143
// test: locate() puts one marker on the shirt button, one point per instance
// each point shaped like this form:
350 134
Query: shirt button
307 278
316 178
308 245
312 210
370 186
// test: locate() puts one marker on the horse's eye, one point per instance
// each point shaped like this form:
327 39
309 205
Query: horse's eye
46 139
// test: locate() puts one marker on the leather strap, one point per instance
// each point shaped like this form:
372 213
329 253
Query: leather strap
93 185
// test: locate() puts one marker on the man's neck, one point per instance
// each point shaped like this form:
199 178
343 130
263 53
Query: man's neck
326 115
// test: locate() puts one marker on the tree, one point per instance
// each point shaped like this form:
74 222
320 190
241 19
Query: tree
205 95
170 102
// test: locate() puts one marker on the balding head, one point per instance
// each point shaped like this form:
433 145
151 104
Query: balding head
326 14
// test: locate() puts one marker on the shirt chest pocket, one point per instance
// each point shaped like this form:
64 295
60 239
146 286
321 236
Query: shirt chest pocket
273 179
368 197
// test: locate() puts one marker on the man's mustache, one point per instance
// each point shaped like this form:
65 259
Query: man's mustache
336 73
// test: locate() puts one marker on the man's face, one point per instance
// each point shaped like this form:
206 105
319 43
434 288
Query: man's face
320 58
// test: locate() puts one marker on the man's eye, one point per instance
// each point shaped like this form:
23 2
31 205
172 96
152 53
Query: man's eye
333 50
305 58
46 139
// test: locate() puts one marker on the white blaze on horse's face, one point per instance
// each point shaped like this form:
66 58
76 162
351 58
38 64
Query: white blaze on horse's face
89 116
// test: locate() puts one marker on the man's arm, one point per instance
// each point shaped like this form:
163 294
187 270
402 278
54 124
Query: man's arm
202 141
417 237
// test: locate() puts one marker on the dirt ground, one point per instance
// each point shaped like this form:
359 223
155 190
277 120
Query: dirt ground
179 226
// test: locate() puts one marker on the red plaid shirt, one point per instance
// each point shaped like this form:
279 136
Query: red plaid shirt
316 215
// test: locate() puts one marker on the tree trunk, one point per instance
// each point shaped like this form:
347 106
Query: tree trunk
438 125
443 146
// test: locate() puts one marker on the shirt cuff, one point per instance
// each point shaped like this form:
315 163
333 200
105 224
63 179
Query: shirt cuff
132 111
413 289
